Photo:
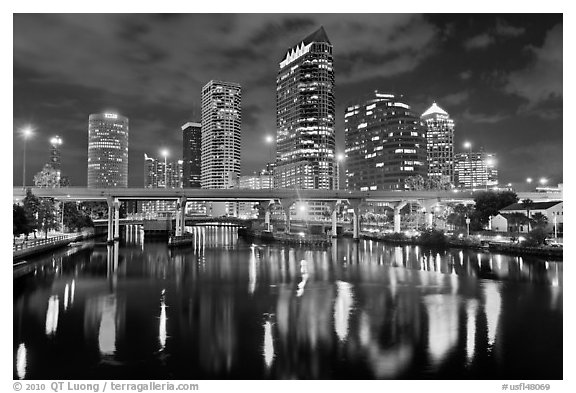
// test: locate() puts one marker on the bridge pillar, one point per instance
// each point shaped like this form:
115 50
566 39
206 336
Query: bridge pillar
355 203
116 219
428 205
286 204
397 218
110 236
334 215
182 201
267 205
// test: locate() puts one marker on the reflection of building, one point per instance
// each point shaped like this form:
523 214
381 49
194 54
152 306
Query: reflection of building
191 154
440 143
107 150
476 170
385 144
305 115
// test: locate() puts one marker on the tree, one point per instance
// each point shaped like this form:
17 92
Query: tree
47 217
536 237
528 204
31 205
48 177
19 221
515 220
539 220
460 212
74 218
489 203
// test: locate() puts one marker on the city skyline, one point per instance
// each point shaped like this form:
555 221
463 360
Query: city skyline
501 103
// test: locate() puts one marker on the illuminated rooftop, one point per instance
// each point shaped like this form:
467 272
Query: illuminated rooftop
433 110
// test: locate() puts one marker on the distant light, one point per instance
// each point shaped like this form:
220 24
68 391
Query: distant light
498 237
110 115
529 180
164 153
56 140
269 138
460 235
490 162
27 132
521 239
509 184
467 145
302 207
302 234
340 157
180 162
543 180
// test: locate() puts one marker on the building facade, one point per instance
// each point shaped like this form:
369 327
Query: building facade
107 150
221 133
440 144
305 116
259 181
192 154
385 144
476 170
162 174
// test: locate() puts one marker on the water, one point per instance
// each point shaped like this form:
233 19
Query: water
224 308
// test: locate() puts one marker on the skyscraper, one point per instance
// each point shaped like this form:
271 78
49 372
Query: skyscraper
161 174
55 163
440 144
221 133
476 170
385 144
107 150
305 113
150 172
191 154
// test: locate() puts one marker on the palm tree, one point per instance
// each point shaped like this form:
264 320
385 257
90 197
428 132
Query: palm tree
528 204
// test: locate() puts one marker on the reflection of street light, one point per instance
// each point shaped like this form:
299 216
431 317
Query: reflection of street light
26 132
165 154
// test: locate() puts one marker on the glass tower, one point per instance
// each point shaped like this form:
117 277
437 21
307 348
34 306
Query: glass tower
440 144
221 133
191 154
385 144
305 138
107 150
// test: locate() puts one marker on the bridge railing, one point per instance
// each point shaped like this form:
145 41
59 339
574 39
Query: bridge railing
40 242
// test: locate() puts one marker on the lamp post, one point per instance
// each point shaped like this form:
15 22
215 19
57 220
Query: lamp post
269 141
165 154
26 132
467 226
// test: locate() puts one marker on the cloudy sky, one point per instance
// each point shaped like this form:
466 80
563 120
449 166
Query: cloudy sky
499 77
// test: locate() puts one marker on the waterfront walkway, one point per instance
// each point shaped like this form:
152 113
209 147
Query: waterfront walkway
36 246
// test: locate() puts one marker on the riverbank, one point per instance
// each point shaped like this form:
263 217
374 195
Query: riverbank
50 244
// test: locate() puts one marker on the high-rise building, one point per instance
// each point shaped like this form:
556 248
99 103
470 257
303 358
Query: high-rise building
221 133
385 144
191 154
107 150
476 170
150 172
440 144
262 180
162 174
305 115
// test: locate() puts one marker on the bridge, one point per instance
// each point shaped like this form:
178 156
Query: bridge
267 197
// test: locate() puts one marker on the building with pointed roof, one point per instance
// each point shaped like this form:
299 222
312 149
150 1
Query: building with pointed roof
305 116
439 144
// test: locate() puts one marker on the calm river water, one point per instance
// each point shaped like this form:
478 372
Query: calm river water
224 308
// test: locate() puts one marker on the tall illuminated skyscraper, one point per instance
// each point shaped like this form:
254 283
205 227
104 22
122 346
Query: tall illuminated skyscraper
305 115
55 154
440 143
385 143
476 170
107 150
221 133
191 154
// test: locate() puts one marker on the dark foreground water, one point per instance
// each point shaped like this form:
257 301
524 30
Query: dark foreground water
225 308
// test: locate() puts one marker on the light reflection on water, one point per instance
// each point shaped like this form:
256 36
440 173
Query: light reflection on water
356 310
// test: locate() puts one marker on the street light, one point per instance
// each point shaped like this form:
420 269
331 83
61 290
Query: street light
26 132
529 180
543 181
269 140
165 154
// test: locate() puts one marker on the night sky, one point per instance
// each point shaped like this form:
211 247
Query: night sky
498 76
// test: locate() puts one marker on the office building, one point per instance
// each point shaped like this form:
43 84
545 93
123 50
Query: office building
476 170
55 154
192 154
305 115
221 133
262 180
440 144
107 150
161 173
385 143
